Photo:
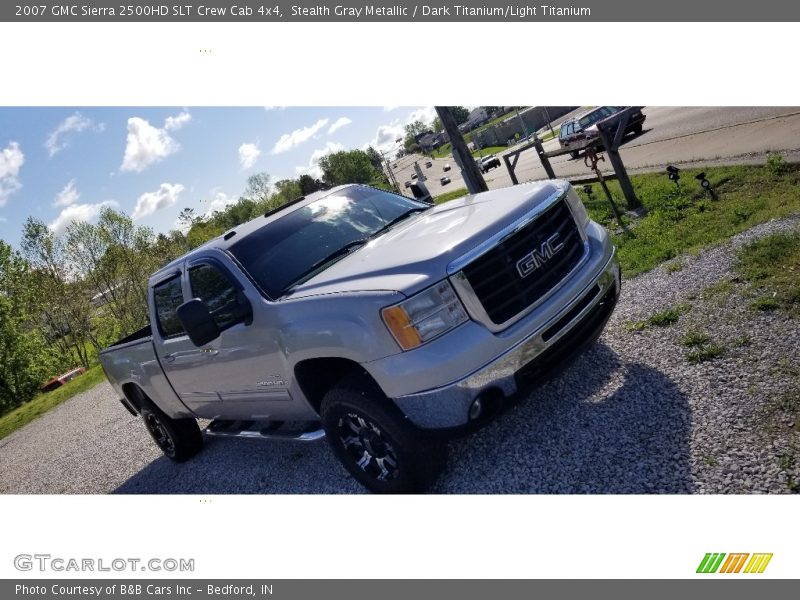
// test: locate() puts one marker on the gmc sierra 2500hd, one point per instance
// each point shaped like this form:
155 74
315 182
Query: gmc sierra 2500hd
379 322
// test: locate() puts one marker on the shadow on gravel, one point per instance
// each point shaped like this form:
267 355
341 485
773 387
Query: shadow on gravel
241 466
601 427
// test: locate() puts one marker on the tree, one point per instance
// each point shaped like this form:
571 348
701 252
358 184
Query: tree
187 217
375 158
412 131
258 187
25 360
460 114
309 185
287 190
349 166
437 126
63 302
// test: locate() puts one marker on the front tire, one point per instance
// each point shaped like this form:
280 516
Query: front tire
376 443
178 439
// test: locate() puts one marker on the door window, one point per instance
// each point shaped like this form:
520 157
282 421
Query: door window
214 288
168 296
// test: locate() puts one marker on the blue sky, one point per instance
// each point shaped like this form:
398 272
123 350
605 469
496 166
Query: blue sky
60 164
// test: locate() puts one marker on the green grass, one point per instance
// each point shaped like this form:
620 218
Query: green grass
636 326
42 403
765 304
694 339
451 195
665 318
705 353
674 267
684 221
772 266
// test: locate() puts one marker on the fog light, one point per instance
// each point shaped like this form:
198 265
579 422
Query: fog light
476 410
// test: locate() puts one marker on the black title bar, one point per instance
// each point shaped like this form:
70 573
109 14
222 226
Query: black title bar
401 11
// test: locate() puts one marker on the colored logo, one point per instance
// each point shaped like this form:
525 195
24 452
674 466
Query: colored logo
719 562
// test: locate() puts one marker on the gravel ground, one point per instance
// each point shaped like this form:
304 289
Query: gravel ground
631 415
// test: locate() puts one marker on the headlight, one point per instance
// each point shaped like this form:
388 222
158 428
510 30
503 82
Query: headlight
577 207
424 316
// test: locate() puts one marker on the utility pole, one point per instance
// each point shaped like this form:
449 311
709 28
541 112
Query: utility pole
461 154
549 122
389 171
524 127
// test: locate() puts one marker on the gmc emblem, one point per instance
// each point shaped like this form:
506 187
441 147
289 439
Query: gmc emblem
533 260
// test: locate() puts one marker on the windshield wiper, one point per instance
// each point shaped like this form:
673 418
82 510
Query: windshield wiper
396 220
323 262
345 250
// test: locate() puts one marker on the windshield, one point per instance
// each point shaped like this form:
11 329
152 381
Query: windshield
306 241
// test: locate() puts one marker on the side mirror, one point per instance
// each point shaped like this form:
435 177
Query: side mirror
198 322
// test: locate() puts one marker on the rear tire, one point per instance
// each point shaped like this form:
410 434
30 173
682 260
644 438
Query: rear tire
380 448
575 153
178 439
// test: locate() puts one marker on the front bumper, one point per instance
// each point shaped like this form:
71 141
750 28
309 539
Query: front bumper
579 323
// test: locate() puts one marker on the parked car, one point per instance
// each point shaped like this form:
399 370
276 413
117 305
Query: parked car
57 382
584 126
488 162
446 167
383 323
414 176
428 164
444 180
408 184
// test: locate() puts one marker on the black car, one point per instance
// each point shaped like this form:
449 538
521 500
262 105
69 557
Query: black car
488 162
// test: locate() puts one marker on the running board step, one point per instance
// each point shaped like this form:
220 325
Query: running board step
265 430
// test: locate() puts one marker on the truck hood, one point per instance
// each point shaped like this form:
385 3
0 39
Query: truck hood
416 253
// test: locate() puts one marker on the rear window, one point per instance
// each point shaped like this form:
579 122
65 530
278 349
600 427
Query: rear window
168 296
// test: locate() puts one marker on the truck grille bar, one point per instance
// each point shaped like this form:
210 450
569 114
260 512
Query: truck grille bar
523 268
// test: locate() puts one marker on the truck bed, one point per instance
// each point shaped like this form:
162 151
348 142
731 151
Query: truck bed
140 335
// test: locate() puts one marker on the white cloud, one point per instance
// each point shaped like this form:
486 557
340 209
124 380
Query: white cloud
248 154
219 202
176 122
147 144
271 108
75 123
389 108
289 140
11 160
387 135
313 168
340 122
68 195
77 212
149 202
426 114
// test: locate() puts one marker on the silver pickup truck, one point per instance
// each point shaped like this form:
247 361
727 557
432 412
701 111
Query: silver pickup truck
379 322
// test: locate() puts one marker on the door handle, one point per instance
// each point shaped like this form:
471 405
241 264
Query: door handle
209 351
170 358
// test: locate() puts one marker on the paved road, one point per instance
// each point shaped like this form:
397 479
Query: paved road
672 135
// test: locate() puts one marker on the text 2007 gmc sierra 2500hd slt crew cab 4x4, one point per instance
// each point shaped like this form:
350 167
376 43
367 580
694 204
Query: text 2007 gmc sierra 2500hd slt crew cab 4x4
375 320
